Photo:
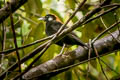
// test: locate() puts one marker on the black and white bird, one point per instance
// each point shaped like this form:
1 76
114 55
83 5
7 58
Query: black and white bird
53 25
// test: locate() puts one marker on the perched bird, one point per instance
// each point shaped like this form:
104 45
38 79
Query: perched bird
53 25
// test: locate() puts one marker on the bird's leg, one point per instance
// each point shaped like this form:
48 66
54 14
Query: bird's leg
62 50
67 48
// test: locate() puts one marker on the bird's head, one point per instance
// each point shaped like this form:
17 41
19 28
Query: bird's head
48 17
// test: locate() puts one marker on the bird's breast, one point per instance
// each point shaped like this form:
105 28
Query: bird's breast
50 29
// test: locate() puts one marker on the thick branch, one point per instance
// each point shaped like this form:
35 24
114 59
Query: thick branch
106 45
5 11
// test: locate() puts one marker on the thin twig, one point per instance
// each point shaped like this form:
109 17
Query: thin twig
25 46
101 14
106 30
3 36
3 39
61 52
100 62
111 5
15 41
3 42
115 15
89 54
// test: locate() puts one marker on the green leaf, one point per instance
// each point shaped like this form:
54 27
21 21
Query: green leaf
33 6
71 4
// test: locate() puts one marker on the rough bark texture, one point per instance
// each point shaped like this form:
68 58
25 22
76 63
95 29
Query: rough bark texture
5 11
105 45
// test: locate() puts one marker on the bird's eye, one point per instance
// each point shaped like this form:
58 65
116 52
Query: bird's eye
50 19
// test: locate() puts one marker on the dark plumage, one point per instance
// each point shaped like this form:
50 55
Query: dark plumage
52 26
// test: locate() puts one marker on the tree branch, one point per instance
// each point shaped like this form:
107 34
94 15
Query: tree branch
5 11
105 45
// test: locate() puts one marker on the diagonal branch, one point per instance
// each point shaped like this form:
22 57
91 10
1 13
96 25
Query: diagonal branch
15 40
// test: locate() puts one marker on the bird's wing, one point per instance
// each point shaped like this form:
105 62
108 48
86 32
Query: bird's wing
72 34
57 25
76 38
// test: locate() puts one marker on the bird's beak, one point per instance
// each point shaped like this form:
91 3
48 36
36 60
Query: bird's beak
42 18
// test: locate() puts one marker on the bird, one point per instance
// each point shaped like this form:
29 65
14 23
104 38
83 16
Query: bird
53 25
